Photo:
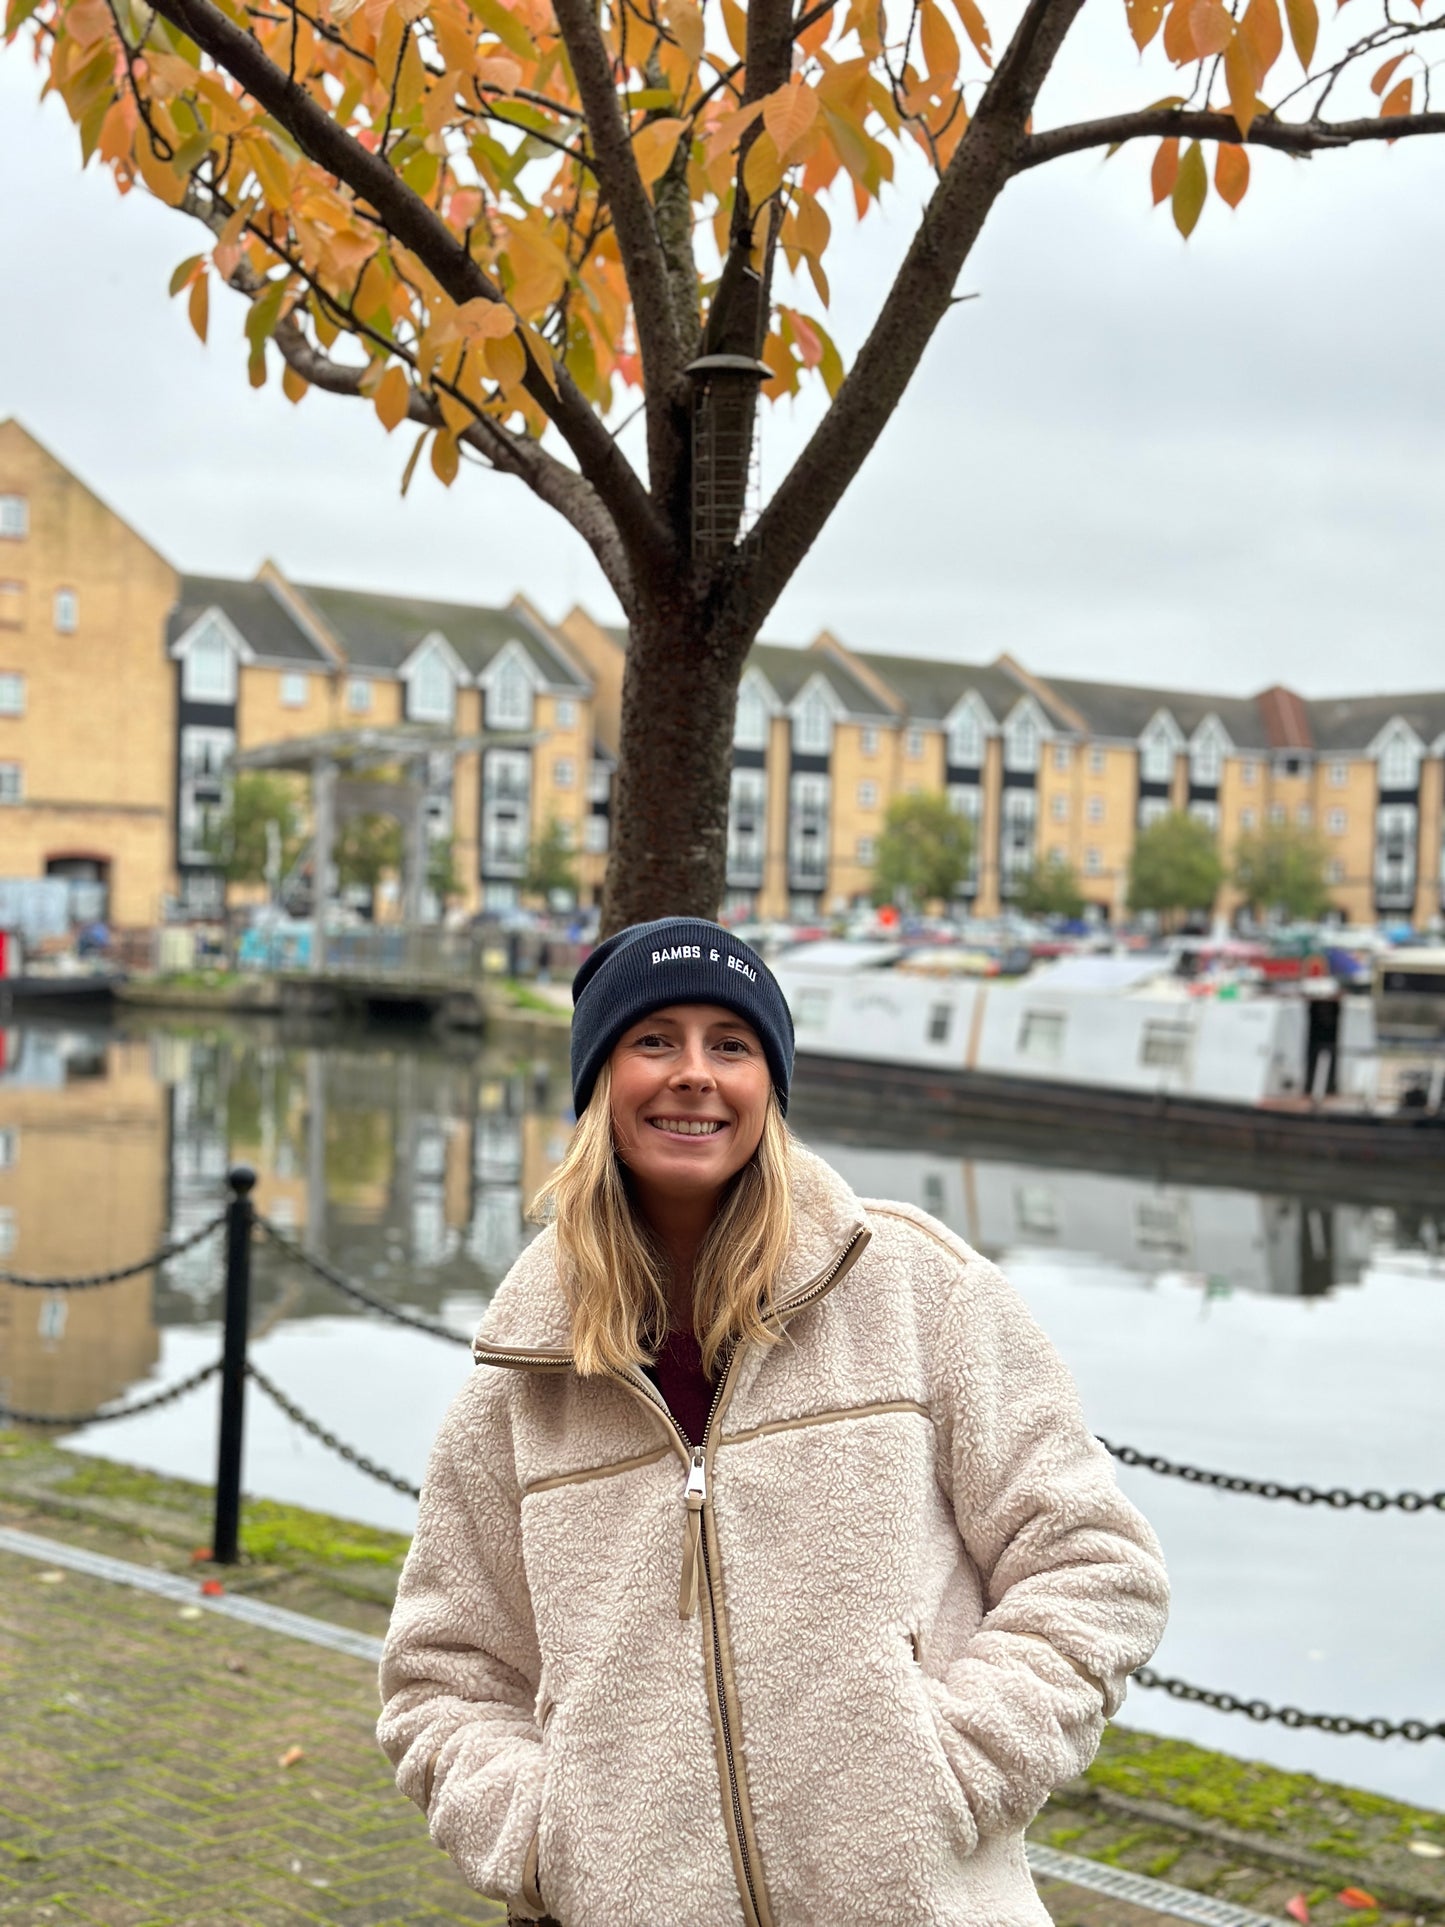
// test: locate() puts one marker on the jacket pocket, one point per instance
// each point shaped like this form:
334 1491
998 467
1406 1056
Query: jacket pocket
531 1892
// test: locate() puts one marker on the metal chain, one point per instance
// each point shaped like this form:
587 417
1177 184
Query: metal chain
94 1278
1290 1716
349 1290
329 1439
102 1417
1335 1496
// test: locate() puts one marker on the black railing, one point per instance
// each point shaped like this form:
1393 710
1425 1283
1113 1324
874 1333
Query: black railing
242 1221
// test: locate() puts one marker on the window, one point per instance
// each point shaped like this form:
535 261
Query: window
1335 822
913 745
1399 766
1277 813
1093 861
1153 809
509 697
808 832
811 1010
1164 1046
12 694
1156 758
566 713
358 695
868 740
1335 870
812 724
1205 759
1035 1212
747 808
867 796
1063 756
1018 835
1247 771
1021 741
1304 816
1161 1224
206 754
12 783
564 773
12 605
867 851
1059 808
965 740
1097 761
940 1022
1041 1035
1246 819
9 1148
67 612
1339 775
750 722
209 674
1094 809
594 835
7 1246
1205 812
1057 853
432 695
295 689
14 517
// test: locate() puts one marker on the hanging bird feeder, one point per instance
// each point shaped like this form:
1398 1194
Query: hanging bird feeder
724 450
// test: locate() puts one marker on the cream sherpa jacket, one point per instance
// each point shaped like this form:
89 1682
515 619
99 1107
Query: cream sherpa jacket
822 1671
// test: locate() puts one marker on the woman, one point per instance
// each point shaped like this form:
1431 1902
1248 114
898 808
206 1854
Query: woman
766 1572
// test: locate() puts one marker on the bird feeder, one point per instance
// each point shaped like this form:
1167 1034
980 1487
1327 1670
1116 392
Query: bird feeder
724 449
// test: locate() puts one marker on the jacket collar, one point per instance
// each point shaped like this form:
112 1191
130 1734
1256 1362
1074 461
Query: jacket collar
528 1321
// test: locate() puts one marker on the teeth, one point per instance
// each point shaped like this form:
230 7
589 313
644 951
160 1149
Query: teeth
686 1127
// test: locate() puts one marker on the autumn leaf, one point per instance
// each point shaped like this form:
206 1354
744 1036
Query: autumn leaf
1304 28
198 308
788 115
1212 27
976 27
291 1757
1297 1907
212 1588
392 397
1144 17
1165 170
1190 189
654 145
1231 173
762 170
1398 100
1239 79
1262 33
1357 1898
1378 84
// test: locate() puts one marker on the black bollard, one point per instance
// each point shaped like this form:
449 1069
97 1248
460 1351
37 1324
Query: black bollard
240 1215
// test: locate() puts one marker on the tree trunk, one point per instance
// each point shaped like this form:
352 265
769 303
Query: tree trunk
670 806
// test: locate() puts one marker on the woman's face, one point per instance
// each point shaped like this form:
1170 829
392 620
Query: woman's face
690 1088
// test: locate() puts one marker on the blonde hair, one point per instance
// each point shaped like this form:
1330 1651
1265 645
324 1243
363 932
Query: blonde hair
613 1272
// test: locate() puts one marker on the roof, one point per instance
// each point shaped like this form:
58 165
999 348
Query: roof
381 631
931 688
1353 722
258 616
1123 710
789 670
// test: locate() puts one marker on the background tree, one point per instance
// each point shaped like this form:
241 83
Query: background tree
924 852
1282 870
550 864
367 849
1175 866
238 844
1051 889
441 870
491 218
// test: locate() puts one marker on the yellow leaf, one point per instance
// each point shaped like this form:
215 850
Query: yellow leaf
1190 189
735 23
270 170
762 170
293 385
392 397
411 459
940 49
684 20
1165 171
1231 173
1239 79
789 113
445 458
1263 35
653 147
483 320
411 79
1144 17
199 305
506 361
162 181
1304 28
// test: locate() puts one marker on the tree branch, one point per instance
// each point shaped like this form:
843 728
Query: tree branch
1210 124
418 228
921 295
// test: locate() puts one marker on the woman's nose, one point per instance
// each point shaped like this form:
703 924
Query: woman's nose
692 1067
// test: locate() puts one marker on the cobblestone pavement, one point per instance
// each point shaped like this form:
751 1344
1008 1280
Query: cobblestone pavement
139 1776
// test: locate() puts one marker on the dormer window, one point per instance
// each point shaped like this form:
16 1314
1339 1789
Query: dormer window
209 674
509 697
1021 741
1205 759
433 694
812 725
1156 757
965 740
1399 764
750 723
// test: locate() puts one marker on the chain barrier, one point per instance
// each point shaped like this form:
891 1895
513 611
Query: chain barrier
1290 1716
90 1281
339 1282
329 1439
1335 1496
102 1417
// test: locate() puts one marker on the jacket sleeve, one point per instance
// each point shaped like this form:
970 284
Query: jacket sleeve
1074 1589
460 1667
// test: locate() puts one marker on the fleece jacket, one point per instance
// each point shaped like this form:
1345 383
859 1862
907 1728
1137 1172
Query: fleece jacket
825 1668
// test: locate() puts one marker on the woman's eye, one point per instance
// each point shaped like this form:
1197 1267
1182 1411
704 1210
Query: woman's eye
735 1046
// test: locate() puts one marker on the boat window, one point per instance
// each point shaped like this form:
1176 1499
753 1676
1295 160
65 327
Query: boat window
811 1010
1035 1211
1041 1034
1159 1225
1164 1046
940 1022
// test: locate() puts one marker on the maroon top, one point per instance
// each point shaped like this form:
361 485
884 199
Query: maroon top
678 1375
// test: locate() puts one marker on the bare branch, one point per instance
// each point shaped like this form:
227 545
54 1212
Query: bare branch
1210 124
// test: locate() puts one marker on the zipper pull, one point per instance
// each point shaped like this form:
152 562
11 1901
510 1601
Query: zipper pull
694 1497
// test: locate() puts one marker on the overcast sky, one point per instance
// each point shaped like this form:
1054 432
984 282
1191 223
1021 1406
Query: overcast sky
1217 465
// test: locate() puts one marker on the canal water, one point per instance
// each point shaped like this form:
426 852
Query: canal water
1267 1335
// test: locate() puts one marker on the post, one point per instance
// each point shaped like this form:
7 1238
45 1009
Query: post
323 841
240 1215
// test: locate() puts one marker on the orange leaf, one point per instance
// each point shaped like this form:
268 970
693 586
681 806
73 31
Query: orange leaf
392 397
1179 35
976 27
292 1756
1304 28
483 320
1297 1907
735 24
789 113
1190 189
1356 1897
1231 173
1144 17
1381 79
1263 35
762 170
940 49
445 457
1239 79
1211 26
199 305
654 146
1165 170
1397 101
212 1588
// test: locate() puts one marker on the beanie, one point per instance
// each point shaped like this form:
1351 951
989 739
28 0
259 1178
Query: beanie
674 960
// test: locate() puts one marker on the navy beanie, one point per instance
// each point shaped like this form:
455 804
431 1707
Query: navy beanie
675 960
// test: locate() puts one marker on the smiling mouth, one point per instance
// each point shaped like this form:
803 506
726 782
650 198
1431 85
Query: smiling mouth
688 1126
